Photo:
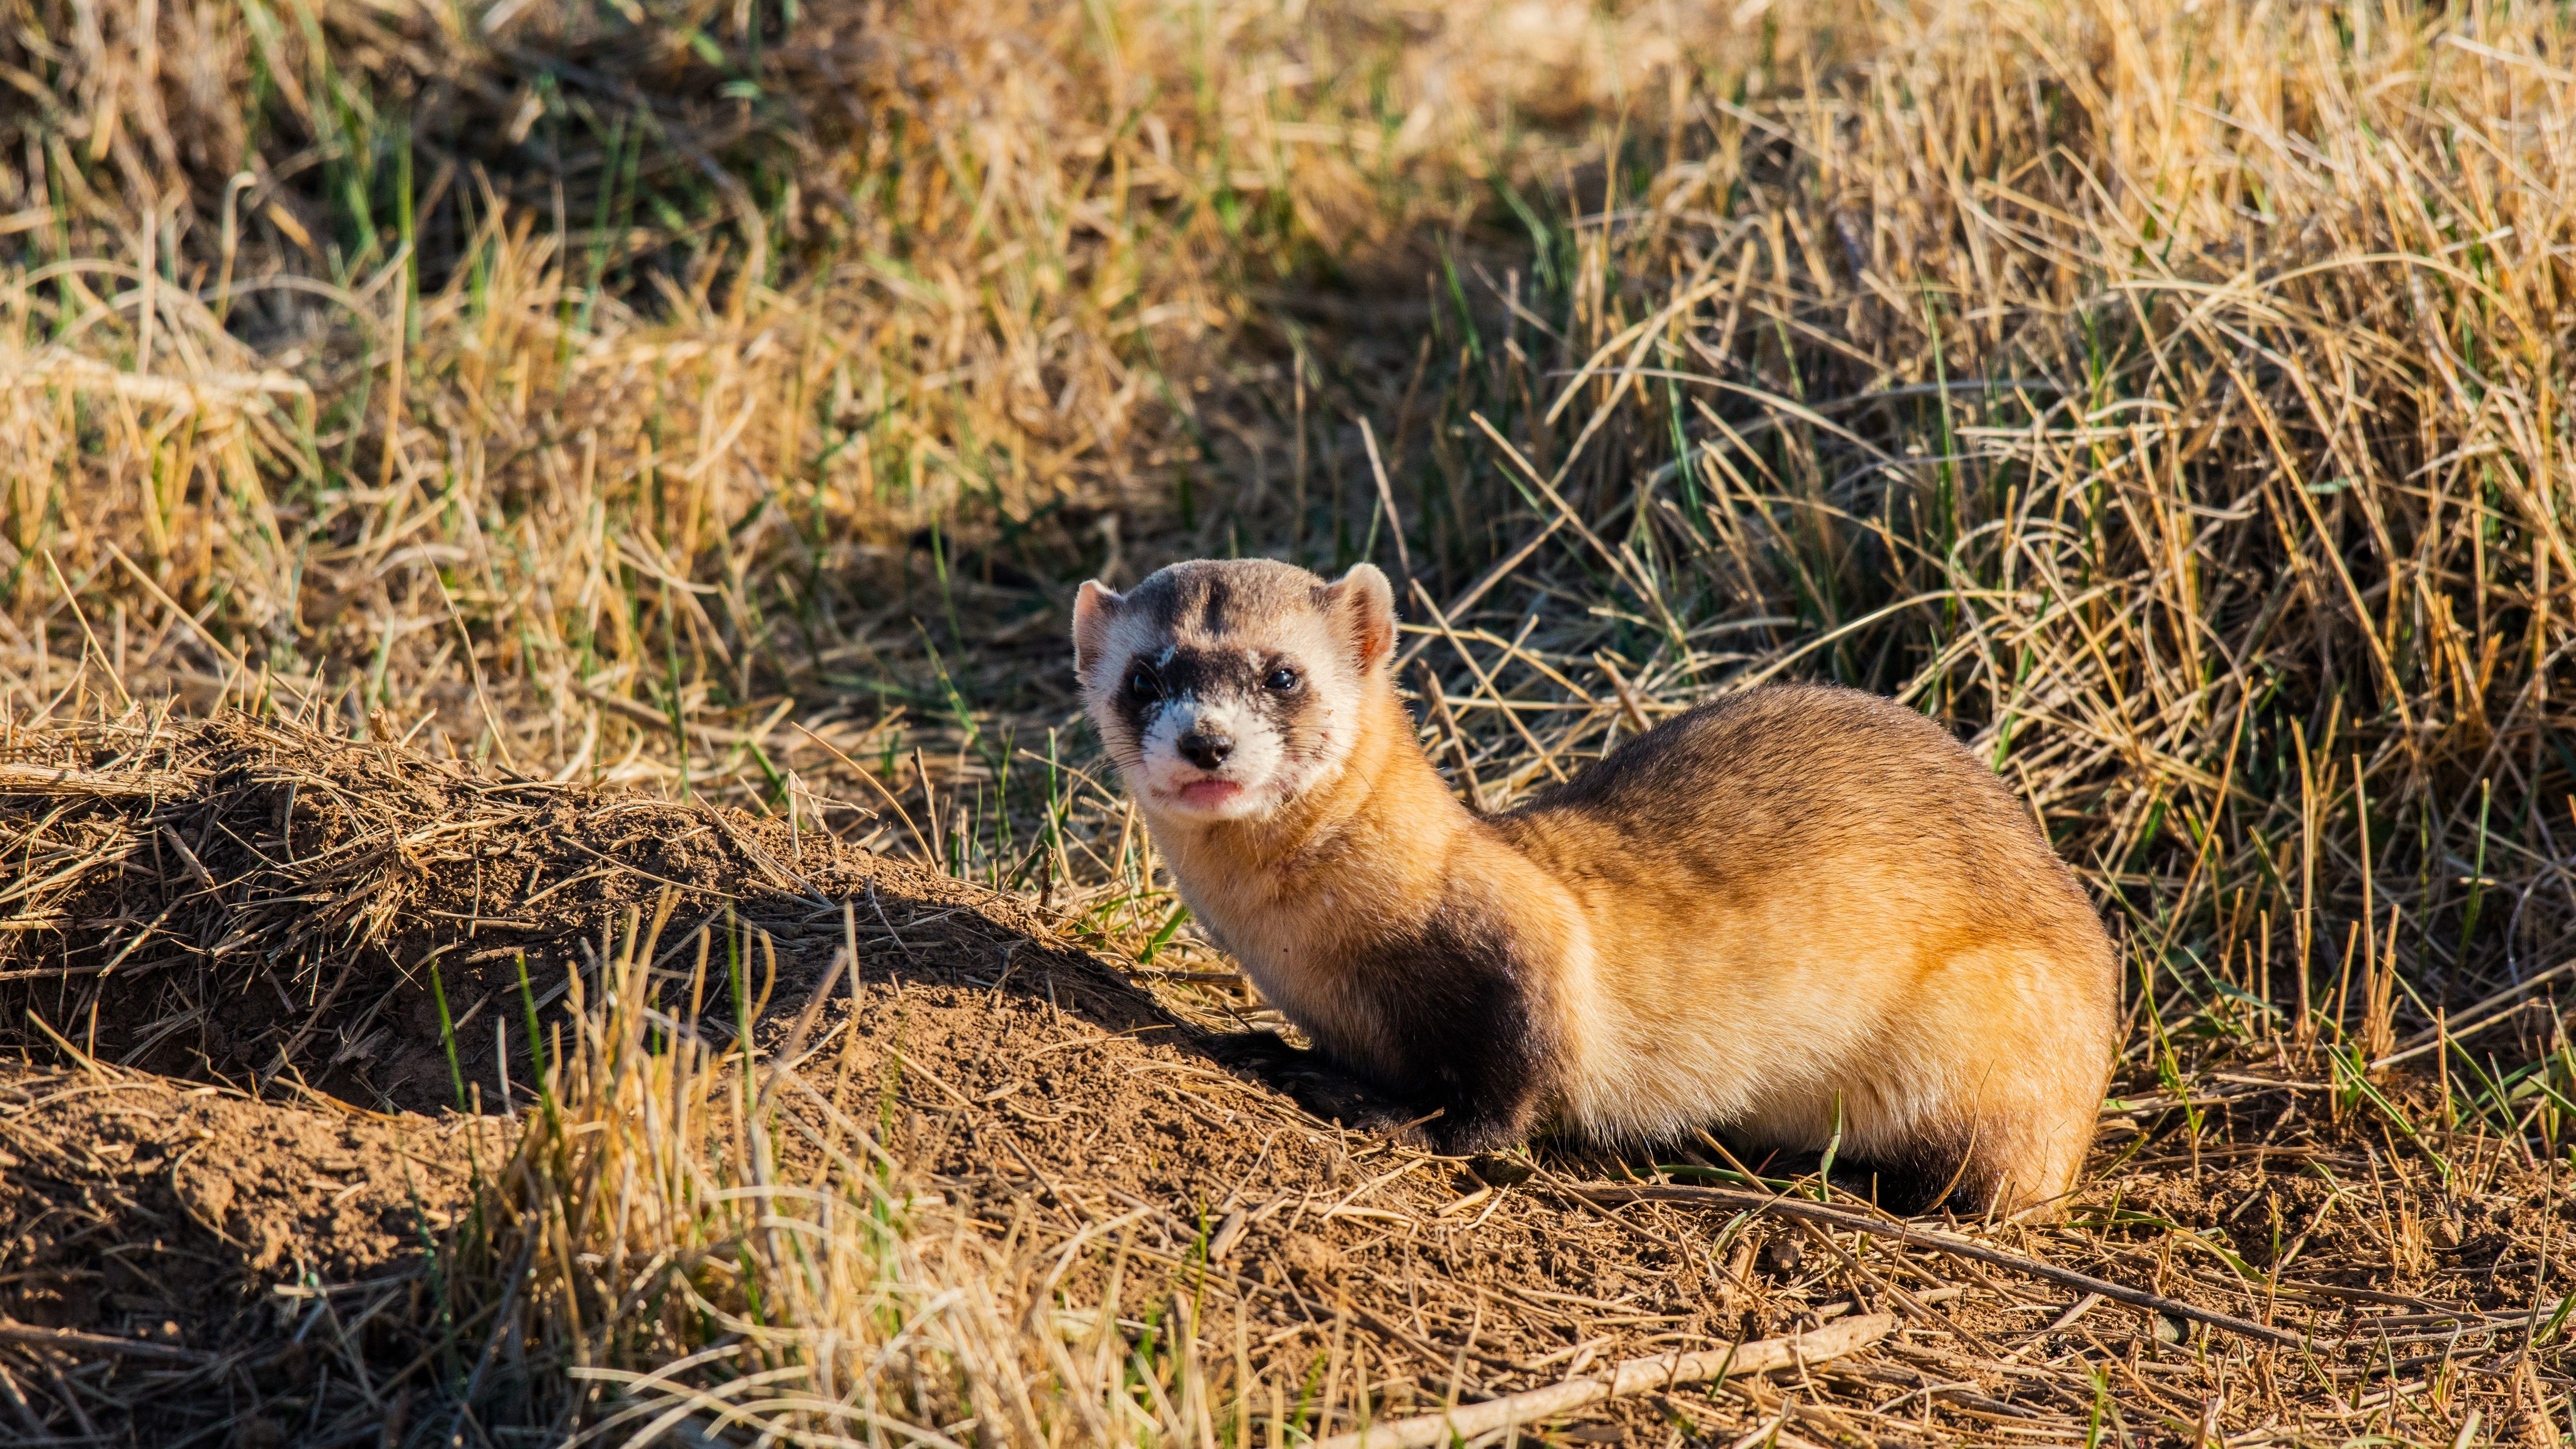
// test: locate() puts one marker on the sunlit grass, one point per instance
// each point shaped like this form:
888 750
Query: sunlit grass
2170 397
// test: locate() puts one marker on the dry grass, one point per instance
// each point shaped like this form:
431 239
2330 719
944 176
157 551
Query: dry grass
721 401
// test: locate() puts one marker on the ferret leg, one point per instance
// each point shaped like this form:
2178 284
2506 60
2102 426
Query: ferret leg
2046 1163
1486 1127
2014 1165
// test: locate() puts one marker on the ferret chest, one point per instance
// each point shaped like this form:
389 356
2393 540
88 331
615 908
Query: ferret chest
1311 977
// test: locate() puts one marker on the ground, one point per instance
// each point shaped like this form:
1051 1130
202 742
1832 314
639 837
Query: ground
213 1253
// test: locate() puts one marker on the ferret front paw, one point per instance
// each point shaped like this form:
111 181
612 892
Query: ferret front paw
1253 1053
1318 1085
1480 1137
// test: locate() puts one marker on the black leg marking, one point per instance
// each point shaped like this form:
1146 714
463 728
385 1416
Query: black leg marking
1471 1039
1461 1051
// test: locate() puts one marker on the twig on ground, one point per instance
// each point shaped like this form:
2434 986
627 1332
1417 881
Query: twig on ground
1635 1376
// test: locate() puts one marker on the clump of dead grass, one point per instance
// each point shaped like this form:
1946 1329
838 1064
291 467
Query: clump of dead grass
2169 396
681 327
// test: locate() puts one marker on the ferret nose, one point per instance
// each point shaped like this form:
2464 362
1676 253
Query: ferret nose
1206 751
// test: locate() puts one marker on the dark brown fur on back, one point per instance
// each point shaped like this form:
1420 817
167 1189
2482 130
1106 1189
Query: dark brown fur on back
1805 772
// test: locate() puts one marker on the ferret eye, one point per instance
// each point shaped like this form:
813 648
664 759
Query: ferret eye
1142 684
1282 679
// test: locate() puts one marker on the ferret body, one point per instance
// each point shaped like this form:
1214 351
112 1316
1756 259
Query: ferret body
1796 910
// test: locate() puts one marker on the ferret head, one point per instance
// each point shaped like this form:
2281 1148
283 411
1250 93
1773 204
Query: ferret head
1226 689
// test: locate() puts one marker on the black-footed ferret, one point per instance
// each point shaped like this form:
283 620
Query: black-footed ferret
1790 910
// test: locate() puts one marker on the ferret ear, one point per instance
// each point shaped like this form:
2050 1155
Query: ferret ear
1364 603
1094 608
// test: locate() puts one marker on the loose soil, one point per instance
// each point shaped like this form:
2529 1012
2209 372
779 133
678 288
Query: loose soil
233 1159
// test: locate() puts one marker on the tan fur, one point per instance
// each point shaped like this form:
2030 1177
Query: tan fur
1798 902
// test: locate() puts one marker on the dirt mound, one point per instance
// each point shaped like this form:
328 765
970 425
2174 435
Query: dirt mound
239 901
292 1193
174 1258
260 907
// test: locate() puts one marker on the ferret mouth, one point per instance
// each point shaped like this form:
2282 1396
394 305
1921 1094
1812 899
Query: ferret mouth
1209 793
